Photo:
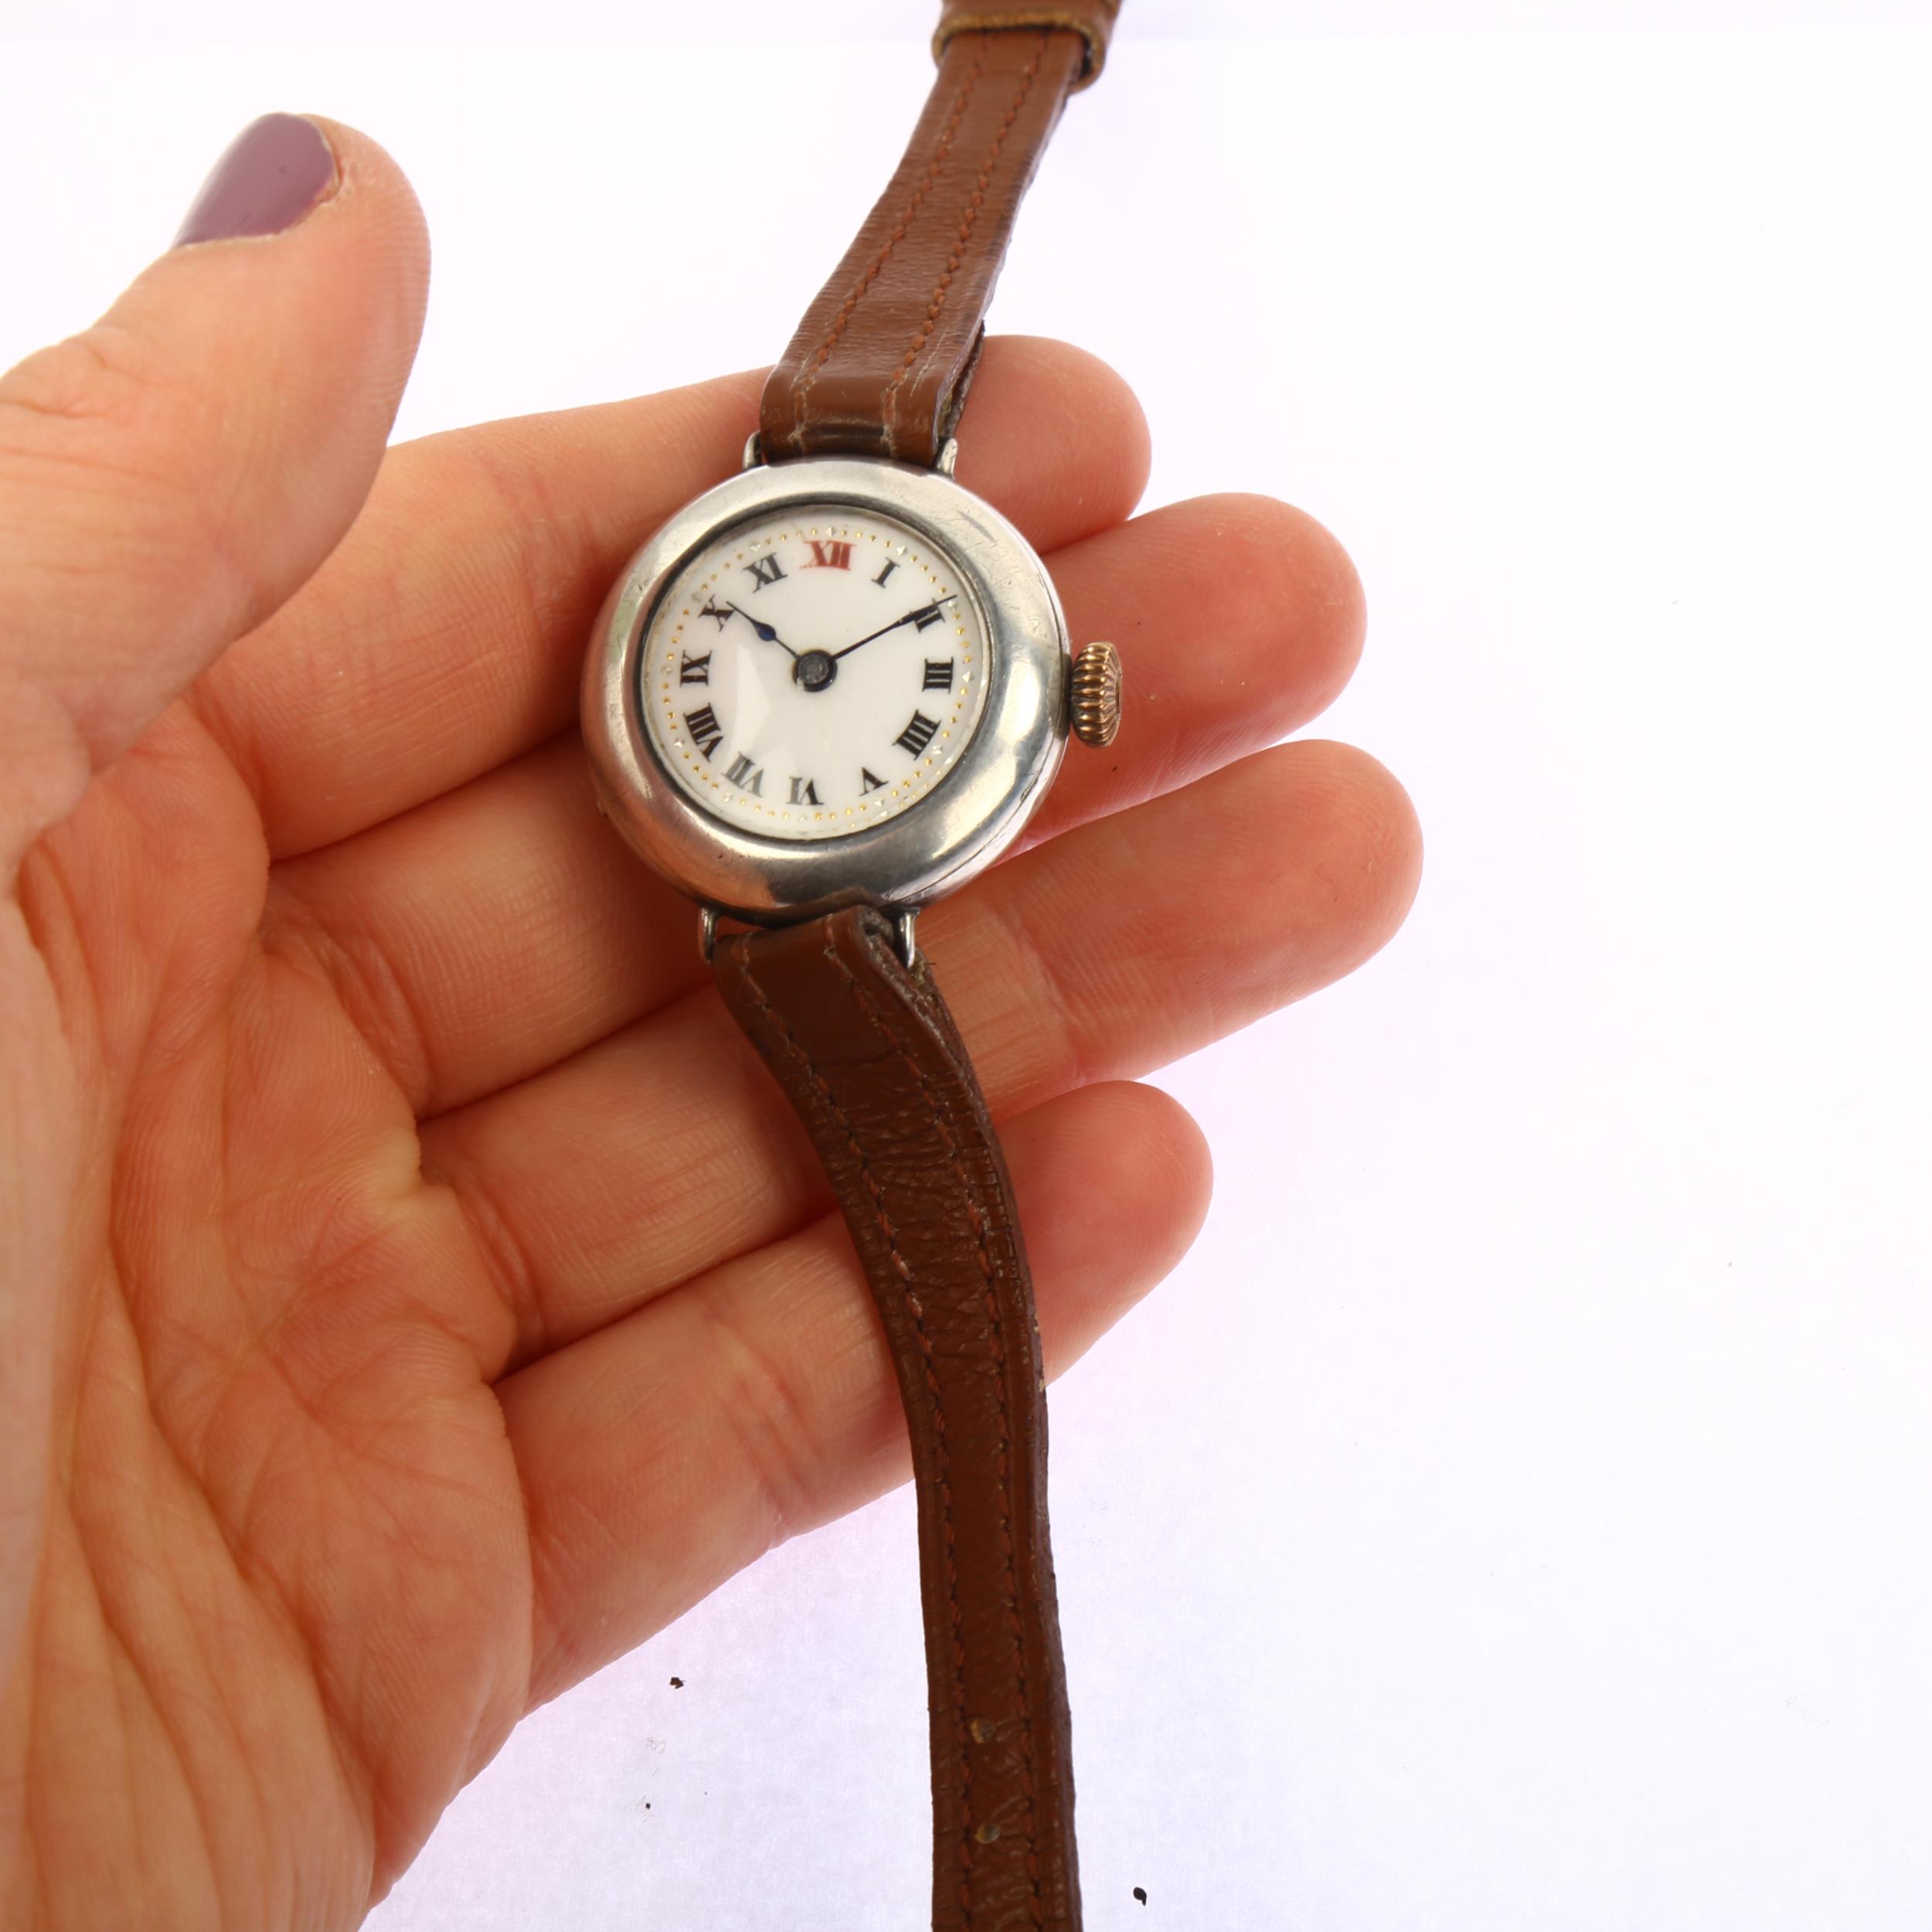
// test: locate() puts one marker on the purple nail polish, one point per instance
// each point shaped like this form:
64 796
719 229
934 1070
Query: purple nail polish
278 169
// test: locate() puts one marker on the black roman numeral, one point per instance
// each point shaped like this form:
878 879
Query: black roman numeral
919 734
743 775
711 610
939 675
891 565
828 556
764 570
707 734
924 620
867 783
803 792
693 670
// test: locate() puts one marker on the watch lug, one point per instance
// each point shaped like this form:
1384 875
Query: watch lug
754 451
904 919
948 458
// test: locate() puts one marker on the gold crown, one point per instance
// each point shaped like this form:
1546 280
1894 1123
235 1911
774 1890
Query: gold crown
1097 695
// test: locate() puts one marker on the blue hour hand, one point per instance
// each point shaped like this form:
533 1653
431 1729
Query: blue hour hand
764 632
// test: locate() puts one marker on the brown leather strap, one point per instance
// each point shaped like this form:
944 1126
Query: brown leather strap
868 1055
1093 20
880 365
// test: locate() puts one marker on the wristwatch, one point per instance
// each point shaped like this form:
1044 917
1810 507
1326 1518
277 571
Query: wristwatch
829 690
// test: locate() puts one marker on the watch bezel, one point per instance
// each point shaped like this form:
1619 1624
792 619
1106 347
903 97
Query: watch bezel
971 814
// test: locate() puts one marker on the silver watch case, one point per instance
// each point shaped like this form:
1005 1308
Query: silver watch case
971 815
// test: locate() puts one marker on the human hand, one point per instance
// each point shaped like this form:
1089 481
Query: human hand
413 1292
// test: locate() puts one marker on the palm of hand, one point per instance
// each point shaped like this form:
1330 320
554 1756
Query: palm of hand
290 1555
419 1295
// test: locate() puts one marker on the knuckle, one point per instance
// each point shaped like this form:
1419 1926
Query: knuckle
367 982
769 1424
1037 1029
104 374
107 465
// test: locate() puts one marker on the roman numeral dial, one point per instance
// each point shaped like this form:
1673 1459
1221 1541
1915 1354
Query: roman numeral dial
811 676
707 734
917 735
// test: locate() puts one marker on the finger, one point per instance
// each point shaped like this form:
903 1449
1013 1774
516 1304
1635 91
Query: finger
1238 619
170 475
667 1149
448 634
664 1454
494 931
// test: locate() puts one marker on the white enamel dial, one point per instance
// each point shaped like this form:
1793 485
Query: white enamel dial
814 673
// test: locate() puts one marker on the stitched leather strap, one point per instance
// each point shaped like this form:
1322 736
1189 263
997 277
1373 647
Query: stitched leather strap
868 1055
1093 20
880 365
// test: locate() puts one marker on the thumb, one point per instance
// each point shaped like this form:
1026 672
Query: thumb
169 476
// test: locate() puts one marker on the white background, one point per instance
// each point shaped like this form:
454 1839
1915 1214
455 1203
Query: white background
1514 1515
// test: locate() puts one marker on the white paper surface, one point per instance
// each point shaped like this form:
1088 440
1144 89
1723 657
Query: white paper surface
1514 1515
